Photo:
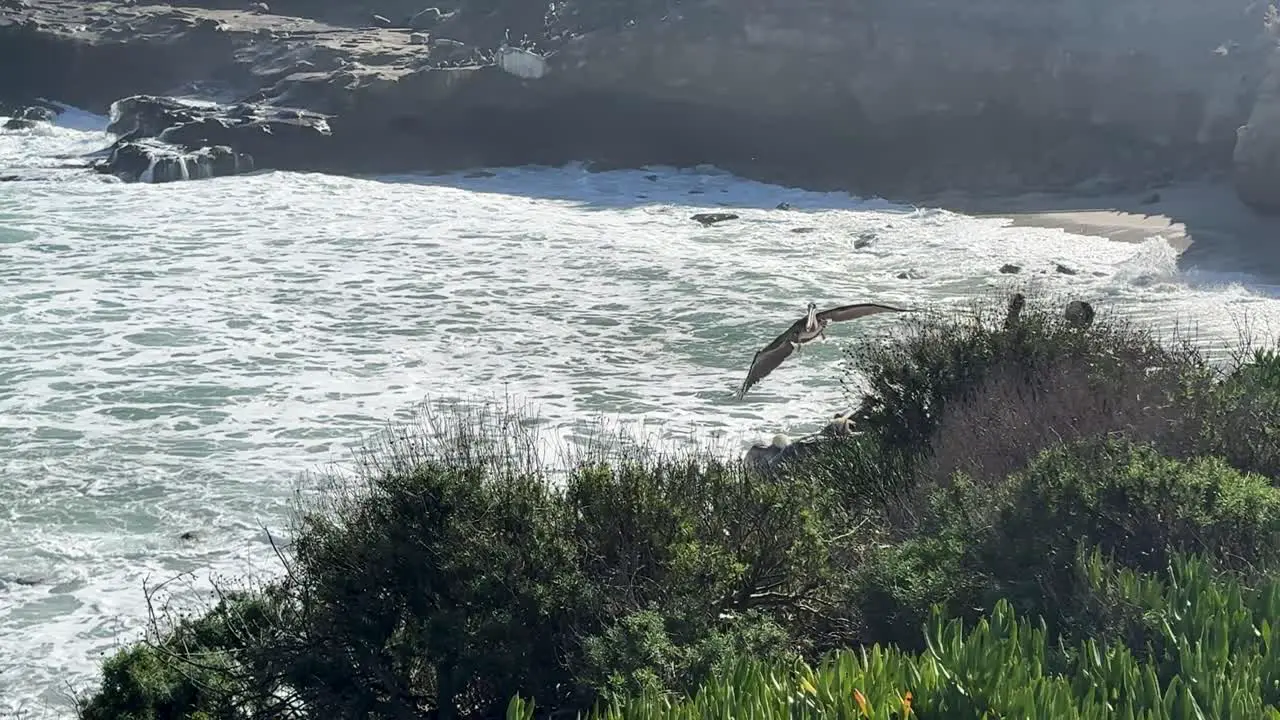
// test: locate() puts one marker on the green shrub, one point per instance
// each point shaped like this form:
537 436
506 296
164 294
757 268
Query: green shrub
1220 661
190 668
1240 419
932 362
455 570
968 392
976 543
1131 502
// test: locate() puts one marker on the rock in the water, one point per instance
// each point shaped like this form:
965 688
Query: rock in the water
28 117
151 161
1064 270
1010 269
863 240
146 116
784 205
419 38
713 218
163 140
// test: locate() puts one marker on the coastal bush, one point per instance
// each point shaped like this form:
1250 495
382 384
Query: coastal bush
1240 419
1216 658
1127 499
192 667
969 390
1016 540
455 569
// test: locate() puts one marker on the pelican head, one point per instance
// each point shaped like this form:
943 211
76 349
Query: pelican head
811 316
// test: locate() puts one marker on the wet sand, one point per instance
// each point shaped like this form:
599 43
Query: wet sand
1211 229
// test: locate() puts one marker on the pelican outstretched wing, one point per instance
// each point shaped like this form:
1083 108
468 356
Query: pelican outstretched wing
768 358
853 312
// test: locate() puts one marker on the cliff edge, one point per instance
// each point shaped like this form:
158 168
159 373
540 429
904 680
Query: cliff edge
890 97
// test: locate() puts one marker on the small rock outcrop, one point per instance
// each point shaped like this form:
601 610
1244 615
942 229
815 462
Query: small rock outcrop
708 219
150 161
161 139
29 116
1256 158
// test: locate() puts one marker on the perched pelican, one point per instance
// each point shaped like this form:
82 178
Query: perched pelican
811 327
764 455
1079 314
1016 303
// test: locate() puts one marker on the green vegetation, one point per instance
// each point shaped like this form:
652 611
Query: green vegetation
1035 521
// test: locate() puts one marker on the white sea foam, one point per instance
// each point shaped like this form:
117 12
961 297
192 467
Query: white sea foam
173 356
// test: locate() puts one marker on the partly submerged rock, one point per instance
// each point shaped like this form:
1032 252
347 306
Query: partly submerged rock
148 160
713 218
163 139
29 116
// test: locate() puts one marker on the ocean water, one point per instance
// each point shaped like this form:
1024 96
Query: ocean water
174 357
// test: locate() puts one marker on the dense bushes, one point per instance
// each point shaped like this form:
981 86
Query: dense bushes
1217 659
455 569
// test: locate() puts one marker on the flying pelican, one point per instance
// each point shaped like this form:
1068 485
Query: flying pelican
811 327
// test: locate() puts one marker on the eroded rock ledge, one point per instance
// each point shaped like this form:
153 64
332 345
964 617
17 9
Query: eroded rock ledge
892 98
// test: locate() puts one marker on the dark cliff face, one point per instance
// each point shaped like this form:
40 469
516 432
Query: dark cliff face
91 71
878 96
1033 91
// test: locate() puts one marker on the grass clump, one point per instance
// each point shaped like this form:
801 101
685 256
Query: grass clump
455 569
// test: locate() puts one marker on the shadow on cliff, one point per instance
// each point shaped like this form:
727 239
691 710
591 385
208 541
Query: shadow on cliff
699 188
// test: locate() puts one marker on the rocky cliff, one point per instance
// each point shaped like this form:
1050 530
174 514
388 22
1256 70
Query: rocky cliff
895 97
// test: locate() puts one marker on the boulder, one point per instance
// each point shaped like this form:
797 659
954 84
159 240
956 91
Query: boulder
1256 158
148 160
708 219
162 139
28 117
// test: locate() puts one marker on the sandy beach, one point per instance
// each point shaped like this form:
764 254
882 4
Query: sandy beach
1204 221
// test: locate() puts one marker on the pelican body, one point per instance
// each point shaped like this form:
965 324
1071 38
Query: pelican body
813 326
